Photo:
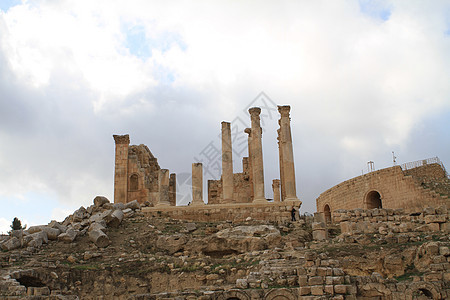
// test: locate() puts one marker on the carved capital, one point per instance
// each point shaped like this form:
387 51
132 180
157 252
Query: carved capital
248 131
122 139
284 110
254 111
276 183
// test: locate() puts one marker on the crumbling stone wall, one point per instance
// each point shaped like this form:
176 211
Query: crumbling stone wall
242 187
137 174
386 188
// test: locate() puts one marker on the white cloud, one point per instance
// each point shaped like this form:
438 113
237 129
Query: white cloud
360 80
5 225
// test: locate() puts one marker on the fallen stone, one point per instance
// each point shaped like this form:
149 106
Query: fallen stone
11 244
134 205
100 200
80 214
68 236
115 218
99 238
97 226
52 233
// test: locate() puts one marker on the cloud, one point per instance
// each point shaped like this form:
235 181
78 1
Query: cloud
362 80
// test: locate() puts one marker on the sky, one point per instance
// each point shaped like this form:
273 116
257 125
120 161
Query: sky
363 79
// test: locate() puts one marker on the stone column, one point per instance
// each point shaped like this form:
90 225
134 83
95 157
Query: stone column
121 168
227 164
163 188
197 184
281 160
173 189
257 156
288 178
276 190
250 164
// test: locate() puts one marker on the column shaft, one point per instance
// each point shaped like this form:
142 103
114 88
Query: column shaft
257 156
163 188
250 161
288 179
227 164
197 184
276 190
121 168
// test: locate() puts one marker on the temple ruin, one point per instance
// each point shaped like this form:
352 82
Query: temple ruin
138 175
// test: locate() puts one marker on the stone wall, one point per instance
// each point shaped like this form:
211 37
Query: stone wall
271 211
385 188
388 221
137 174
242 187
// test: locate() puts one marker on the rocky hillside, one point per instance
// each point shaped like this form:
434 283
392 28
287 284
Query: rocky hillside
111 251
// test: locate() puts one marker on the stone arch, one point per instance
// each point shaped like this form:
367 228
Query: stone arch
327 213
280 294
234 295
373 199
424 290
134 182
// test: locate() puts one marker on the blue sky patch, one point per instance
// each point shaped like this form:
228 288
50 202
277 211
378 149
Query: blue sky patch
375 9
141 43
7 4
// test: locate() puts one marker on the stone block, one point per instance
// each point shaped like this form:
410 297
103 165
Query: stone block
340 289
435 219
304 290
315 280
321 271
100 200
320 235
317 290
302 280
329 289
444 251
241 283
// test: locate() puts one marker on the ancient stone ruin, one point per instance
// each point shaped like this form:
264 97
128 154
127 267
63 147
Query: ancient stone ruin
411 187
383 235
139 177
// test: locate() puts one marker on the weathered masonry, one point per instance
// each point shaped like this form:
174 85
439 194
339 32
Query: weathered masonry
138 175
412 187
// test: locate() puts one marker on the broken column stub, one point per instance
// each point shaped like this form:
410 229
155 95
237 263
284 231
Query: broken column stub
276 190
121 168
163 188
257 156
227 164
287 154
197 184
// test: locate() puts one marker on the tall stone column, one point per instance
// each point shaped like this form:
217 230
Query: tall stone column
163 188
250 164
197 184
121 168
288 179
276 190
257 156
173 189
281 160
227 164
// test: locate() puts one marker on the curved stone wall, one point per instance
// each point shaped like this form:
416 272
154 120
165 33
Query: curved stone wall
385 188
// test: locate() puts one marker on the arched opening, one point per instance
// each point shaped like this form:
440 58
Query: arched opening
424 294
30 281
327 213
134 182
373 200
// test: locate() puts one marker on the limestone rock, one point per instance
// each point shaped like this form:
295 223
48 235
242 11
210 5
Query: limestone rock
11 244
68 236
172 244
80 214
115 218
99 238
100 200
134 205
97 226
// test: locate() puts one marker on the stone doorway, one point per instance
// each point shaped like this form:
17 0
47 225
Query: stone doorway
373 200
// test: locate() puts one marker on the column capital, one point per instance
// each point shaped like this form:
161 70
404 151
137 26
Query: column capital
276 182
284 110
122 139
254 111
248 131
